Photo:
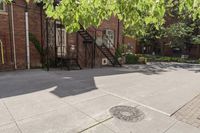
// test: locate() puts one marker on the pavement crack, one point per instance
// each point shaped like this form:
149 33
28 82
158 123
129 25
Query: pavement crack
98 123
170 127
12 117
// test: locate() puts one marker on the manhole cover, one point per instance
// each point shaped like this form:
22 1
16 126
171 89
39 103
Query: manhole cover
127 113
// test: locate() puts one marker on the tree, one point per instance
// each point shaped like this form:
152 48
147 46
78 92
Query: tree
185 31
180 35
180 31
135 14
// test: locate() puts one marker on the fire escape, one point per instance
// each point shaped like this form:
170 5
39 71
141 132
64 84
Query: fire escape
88 39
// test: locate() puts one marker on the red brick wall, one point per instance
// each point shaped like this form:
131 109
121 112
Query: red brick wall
133 42
85 58
19 27
20 36
35 28
5 38
111 24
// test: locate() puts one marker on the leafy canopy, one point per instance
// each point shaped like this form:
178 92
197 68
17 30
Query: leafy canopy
135 14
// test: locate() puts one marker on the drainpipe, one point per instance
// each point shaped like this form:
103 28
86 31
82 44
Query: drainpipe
2 52
118 30
13 37
27 37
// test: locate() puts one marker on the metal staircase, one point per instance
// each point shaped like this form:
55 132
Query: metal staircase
103 48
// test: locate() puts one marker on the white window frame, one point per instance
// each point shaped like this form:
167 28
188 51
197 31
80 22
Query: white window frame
4 8
61 49
106 39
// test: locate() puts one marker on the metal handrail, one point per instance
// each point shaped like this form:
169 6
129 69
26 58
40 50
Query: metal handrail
100 47
2 52
115 60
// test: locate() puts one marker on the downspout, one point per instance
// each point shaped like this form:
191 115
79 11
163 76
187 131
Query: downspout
2 53
118 30
13 37
27 37
41 34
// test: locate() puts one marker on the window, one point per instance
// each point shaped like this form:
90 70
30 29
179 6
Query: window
61 43
2 7
108 38
61 40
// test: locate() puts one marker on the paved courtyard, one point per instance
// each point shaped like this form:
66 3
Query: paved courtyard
37 101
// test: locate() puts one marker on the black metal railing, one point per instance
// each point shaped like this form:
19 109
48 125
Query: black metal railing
88 38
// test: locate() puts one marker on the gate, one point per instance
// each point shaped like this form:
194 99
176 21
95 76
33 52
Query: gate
56 46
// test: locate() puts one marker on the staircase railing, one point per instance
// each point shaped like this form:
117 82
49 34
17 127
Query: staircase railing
114 61
104 46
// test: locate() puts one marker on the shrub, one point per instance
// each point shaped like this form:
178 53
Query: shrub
142 60
120 51
199 61
131 59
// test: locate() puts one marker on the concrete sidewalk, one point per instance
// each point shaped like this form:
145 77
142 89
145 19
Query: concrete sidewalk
37 101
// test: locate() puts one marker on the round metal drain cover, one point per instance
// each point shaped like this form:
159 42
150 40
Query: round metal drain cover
127 113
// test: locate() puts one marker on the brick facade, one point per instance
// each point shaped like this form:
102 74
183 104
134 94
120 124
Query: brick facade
133 43
19 30
5 38
35 26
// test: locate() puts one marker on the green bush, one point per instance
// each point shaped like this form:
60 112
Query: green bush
156 58
199 61
142 60
131 59
120 51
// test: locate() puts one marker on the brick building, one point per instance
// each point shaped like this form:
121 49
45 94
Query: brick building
133 43
62 47
13 37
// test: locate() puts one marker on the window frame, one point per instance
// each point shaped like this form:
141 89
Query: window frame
105 36
61 49
4 8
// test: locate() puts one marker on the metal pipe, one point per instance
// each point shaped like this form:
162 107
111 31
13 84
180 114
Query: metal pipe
55 44
118 32
61 41
10 34
42 41
13 37
95 48
47 41
27 37
77 45
2 53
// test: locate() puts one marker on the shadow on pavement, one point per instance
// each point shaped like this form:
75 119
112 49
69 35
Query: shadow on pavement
70 83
